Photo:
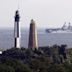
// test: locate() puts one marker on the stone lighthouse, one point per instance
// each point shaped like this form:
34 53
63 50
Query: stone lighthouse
33 44
17 30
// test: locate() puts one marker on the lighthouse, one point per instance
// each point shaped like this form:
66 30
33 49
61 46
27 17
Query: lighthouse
16 30
33 44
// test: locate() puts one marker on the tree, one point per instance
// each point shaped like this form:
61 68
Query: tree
6 68
56 68
17 65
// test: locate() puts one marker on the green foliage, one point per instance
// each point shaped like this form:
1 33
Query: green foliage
40 65
17 65
68 66
27 60
56 68
6 68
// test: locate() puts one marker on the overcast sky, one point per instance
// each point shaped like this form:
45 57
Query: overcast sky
46 13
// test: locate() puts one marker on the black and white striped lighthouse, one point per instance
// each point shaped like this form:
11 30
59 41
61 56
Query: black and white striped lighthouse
17 30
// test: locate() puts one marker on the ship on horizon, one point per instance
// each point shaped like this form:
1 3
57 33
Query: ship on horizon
64 29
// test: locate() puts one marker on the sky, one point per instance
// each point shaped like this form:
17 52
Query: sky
46 13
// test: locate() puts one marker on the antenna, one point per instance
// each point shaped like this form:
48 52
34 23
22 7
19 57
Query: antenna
18 4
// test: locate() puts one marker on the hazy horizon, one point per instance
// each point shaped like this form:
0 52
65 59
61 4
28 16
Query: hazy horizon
46 13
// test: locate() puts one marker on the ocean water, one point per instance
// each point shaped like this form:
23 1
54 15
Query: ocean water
44 39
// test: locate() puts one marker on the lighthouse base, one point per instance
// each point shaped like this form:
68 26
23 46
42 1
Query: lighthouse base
17 43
